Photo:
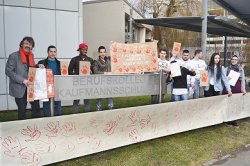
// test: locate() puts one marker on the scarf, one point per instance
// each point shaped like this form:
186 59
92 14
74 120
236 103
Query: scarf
236 68
23 55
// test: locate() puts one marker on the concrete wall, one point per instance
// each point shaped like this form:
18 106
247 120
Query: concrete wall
57 22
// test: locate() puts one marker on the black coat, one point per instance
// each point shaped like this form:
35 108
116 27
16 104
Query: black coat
46 64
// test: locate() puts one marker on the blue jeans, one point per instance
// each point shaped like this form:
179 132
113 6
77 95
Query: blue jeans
196 88
57 108
172 87
76 105
99 104
180 97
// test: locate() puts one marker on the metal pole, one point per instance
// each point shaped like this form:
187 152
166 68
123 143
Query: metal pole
225 51
160 86
131 25
51 102
204 28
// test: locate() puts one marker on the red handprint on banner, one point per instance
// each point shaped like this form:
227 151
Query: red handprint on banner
12 146
53 129
145 121
68 129
32 133
115 59
110 127
43 147
67 146
154 60
134 135
30 158
134 118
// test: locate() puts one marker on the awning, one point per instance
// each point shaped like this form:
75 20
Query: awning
216 25
239 8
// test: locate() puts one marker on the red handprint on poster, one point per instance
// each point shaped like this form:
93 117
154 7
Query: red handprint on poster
204 78
64 68
84 68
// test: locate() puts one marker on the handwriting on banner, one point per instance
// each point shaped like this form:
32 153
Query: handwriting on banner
133 58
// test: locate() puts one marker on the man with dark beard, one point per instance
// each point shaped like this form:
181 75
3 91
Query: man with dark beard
17 69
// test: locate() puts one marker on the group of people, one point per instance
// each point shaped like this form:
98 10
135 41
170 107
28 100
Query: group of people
17 69
182 86
188 83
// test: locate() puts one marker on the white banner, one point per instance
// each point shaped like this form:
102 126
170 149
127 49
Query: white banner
48 140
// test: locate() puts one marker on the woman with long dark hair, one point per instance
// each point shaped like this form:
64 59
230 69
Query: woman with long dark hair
216 75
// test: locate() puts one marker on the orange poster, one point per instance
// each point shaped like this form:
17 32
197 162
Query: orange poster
64 67
176 48
50 83
204 78
30 88
134 58
84 68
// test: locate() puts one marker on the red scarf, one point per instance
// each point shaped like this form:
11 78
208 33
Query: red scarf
23 57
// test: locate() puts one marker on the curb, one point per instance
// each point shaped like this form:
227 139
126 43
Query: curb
225 157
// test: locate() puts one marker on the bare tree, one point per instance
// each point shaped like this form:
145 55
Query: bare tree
169 8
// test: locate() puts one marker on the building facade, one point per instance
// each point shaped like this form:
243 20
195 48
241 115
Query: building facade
109 20
49 22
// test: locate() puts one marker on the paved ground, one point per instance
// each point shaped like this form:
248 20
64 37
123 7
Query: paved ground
241 158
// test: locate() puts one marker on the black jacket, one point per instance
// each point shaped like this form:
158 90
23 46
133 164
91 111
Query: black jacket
101 66
74 64
45 63
181 81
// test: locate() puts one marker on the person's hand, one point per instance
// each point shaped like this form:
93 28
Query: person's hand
26 82
229 78
230 93
192 85
244 92
41 66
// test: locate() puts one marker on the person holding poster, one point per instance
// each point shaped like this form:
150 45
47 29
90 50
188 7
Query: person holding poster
53 63
180 91
74 70
239 86
17 69
163 65
102 65
216 75
198 65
